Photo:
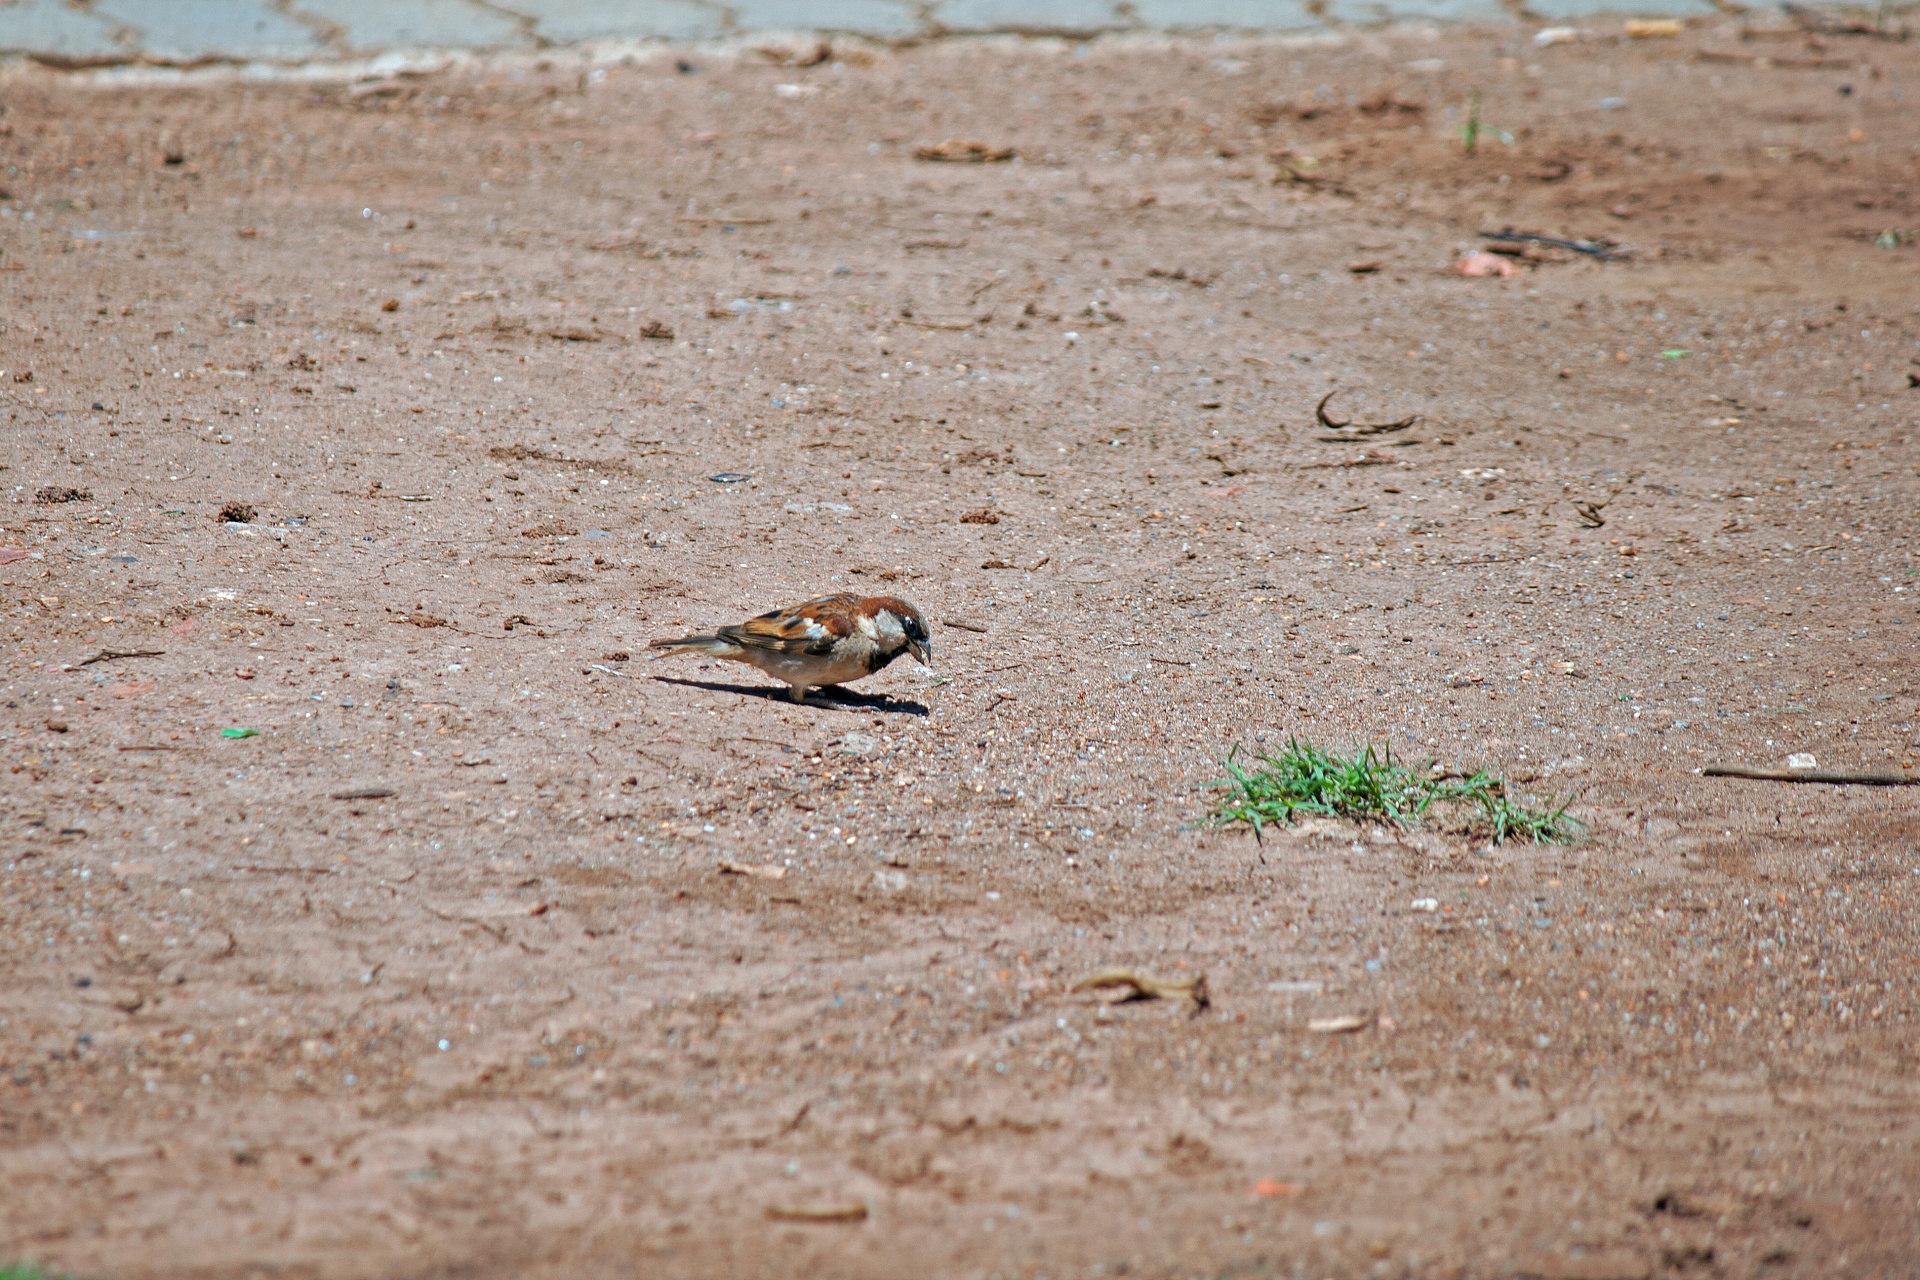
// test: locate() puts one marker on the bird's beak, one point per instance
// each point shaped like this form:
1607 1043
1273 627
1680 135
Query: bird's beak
922 651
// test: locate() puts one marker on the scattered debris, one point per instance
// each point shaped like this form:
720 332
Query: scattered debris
762 871
1834 777
550 529
53 494
1478 262
657 330
573 334
239 733
1342 1024
1357 429
819 53
1300 171
1589 511
822 1213
1825 24
1372 458
1145 988
236 513
1387 104
112 655
1425 904
985 515
730 477
420 618
1271 1187
364 793
962 151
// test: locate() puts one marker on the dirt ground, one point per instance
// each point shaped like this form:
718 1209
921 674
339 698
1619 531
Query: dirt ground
438 974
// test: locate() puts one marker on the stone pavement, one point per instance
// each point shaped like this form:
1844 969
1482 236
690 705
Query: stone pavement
190 31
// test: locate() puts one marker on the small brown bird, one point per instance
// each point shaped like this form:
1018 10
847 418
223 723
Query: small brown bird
826 641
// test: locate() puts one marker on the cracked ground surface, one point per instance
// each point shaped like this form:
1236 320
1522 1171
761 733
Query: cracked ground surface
390 417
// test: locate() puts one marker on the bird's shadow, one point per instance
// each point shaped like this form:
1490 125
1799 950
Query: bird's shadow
829 698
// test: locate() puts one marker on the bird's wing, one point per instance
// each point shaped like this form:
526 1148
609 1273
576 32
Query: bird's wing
813 628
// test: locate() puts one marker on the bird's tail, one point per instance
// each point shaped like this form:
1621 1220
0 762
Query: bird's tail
711 646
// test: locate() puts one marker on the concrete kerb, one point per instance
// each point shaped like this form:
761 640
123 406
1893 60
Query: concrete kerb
362 37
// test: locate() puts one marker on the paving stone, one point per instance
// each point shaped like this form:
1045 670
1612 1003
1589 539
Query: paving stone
868 17
372 26
571 21
1367 12
1236 15
188 30
1567 10
293 30
1025 15
52 29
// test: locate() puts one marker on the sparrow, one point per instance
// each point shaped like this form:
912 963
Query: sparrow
826 641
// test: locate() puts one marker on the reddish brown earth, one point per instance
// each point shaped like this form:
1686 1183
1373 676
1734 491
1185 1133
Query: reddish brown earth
511 1019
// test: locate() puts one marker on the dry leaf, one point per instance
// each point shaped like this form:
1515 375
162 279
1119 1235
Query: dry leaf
1145 988
962 151
1341 1025
766 871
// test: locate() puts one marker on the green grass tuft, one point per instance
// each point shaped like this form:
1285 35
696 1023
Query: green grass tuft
1371 787
23 1271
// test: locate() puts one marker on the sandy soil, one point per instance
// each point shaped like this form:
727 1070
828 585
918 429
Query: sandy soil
438 974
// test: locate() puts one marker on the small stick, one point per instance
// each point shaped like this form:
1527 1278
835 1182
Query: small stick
109 655
821 1213
1833 776
365 793
1592 248
958 625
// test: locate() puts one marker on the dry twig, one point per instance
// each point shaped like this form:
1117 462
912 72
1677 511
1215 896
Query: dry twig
1834 777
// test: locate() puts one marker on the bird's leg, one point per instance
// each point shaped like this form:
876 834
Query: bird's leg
798 692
